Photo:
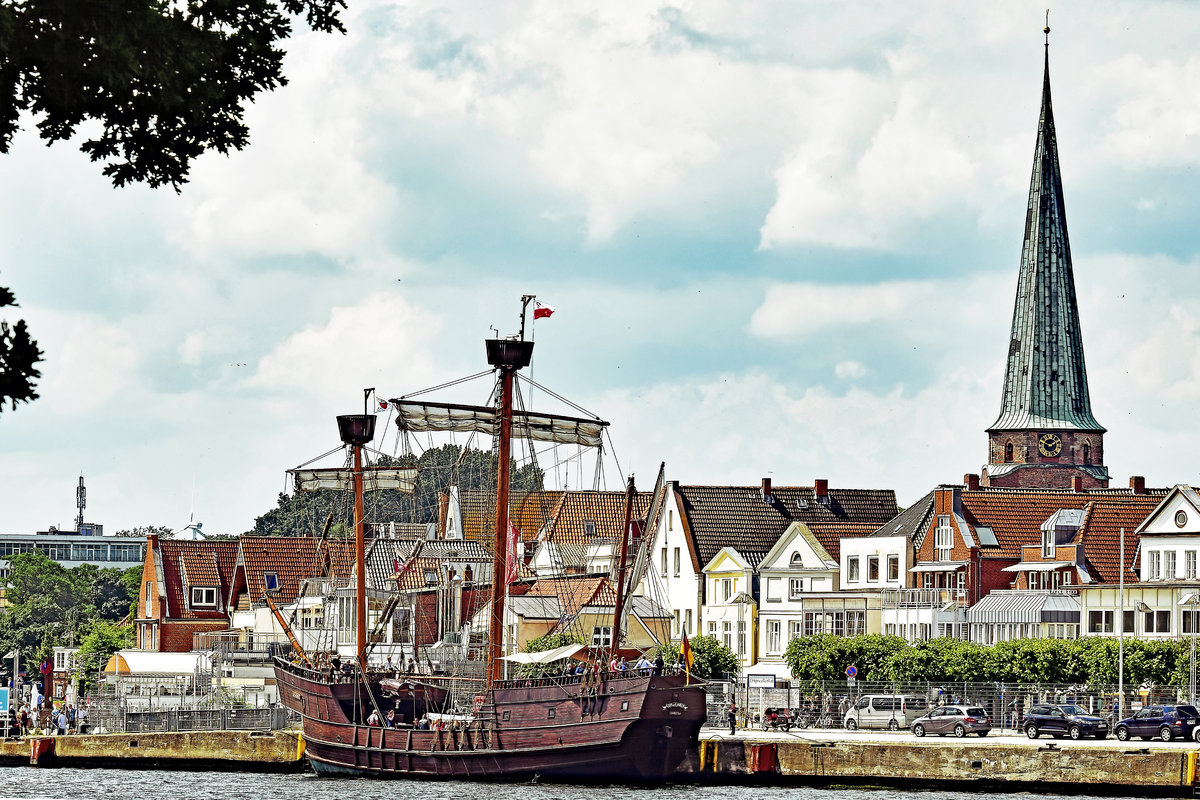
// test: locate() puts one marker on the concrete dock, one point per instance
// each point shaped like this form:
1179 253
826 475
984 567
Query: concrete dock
817 758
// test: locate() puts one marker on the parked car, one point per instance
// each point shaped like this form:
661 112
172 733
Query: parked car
891 711
1165 722
959 720
1063 720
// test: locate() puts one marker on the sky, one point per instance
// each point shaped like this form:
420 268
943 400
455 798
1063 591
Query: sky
782 240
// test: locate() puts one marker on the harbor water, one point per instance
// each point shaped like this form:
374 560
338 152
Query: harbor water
108 784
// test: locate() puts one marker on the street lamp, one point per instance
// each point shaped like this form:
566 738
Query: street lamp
1191 601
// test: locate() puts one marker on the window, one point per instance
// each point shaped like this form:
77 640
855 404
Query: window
1156 622
774 590
944 539
741 640
795 629
728 635
676 562
1066 578
712 629
852 569
1154 565
602 636
727 589
687 620
149 596
1048 543
589 527
893 567
961 580
856 623
431 577
1189 564
1087 453
1100 622
204 596
664 562
1169 565
795 588
873 569
271 581
671 520
1008 453
773 626
676 623
1189 617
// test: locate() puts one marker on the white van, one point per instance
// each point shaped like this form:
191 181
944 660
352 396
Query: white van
890 711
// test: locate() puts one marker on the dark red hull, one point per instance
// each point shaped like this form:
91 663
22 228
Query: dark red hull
626 728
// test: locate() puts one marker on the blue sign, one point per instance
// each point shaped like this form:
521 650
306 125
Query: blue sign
4 700
851 672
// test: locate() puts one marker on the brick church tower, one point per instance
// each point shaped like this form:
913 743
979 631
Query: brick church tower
1045 435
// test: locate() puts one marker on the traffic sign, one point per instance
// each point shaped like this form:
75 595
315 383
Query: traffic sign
851 671
4 701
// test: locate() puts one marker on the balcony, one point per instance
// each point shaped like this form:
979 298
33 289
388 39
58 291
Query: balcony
922 598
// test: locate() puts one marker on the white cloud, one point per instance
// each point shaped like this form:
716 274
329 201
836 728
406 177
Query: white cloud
849 370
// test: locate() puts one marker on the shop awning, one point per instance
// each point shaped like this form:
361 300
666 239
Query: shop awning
1024 607
1038 566
545 656
939 566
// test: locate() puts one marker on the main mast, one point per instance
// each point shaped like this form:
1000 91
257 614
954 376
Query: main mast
357 430
508 356
622 565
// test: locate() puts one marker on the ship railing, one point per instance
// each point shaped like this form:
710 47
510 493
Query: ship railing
573 679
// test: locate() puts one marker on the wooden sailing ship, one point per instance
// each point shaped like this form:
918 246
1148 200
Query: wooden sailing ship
604 725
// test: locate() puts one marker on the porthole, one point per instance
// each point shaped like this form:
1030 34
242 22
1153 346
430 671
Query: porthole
550 713
1180 518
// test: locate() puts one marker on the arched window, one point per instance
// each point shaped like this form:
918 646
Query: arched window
1008 453
1087 453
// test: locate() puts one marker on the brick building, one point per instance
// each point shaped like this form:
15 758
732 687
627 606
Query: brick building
1045 435
184 590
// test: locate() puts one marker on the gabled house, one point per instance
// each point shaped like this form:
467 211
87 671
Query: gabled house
471 514
731 614
1161 593
696 522
583 533
184 591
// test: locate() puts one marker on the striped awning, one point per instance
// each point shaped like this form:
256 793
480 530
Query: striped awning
1023 607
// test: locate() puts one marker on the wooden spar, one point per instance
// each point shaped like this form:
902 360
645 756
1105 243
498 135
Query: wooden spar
360 564
287 629
500 560
618 606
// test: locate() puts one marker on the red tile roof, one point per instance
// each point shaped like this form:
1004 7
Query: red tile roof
292 559
195 564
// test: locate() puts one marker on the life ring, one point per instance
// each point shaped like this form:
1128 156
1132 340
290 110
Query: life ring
478 702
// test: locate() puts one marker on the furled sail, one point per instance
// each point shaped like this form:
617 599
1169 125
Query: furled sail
420 417
403 479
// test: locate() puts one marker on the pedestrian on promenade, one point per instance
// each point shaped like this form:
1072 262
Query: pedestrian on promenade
732 714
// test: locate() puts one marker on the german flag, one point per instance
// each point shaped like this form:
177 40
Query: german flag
685 652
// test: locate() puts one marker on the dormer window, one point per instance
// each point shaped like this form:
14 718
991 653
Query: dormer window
271 581
797 560
431 577
589 527
204 597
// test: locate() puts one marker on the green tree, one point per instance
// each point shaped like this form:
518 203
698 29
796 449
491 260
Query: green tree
711 660
18 351
157 82
161 531
551 641
101 640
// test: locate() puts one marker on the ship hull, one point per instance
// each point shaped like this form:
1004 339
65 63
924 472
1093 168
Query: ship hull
626 728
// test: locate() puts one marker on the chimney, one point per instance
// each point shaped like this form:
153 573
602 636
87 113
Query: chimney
1076 483
766 490
821 489
1137 484
947 500
971 481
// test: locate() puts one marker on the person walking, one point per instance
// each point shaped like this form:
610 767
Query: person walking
732 714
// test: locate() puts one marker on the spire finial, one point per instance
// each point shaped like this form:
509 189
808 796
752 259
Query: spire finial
1046 30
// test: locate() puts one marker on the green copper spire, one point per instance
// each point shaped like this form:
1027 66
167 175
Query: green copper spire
1045 380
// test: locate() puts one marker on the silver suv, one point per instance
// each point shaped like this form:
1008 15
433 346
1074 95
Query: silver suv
959 720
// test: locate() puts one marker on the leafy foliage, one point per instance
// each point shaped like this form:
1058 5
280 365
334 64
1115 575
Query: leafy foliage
99 643
53 605
304 513
164 80
710 658
553 640
18 351
161 531
1087 661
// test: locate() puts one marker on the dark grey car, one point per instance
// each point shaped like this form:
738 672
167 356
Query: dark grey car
958 720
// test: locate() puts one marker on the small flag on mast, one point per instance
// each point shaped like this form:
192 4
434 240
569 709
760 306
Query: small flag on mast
542 310
381 405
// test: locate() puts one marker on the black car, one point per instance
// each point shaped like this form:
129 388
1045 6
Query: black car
1063 720
1165 722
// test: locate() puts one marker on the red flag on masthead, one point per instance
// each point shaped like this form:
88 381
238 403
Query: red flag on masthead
542 310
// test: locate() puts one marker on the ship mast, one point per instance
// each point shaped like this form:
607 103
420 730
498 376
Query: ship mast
630 493
357 430
508 356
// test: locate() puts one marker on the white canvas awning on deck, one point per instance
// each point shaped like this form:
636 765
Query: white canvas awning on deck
546 656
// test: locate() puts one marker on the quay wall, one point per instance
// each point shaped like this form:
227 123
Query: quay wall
1051 767
247 750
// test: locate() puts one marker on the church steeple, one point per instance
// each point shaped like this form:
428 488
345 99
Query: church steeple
1045 410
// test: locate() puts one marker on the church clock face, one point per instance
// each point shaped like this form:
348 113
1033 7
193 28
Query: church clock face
1049 444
